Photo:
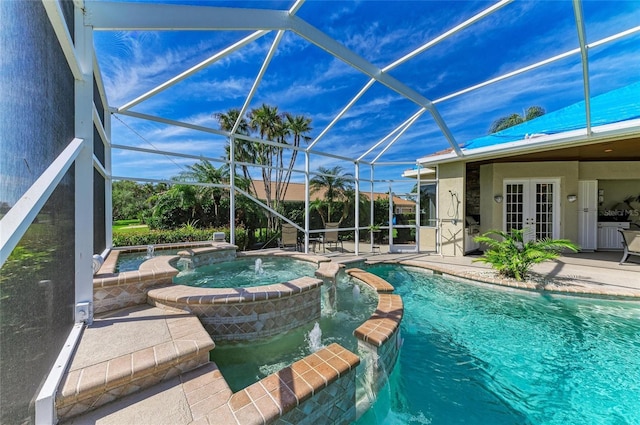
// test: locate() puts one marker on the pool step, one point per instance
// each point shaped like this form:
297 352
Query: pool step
319 388
127 351
377 283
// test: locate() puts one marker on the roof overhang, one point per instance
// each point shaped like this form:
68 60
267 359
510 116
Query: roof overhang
609 132
425 173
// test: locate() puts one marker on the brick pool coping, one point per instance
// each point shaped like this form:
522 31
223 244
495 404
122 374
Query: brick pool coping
179 296
385 320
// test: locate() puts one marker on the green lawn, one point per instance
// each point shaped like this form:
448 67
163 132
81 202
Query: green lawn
129 227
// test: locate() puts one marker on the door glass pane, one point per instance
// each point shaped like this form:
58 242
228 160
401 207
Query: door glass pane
513 205
544 212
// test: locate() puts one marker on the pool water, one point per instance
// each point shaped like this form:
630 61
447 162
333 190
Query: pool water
480 355
242 364
242 272
130 261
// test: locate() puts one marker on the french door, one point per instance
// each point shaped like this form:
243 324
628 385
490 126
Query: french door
532 204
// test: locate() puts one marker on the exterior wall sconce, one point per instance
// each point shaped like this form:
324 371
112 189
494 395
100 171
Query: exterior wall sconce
497 198
572 198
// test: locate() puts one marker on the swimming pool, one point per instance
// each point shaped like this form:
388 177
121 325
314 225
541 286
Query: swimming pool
479 355
244 272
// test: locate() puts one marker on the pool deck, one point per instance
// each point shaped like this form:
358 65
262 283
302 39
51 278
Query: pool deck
199 396
596 274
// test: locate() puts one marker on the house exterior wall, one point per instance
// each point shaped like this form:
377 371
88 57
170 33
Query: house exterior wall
569 173
488 208
451 195
428 238
566 171
609 170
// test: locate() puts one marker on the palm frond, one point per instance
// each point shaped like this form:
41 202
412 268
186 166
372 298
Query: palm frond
511 256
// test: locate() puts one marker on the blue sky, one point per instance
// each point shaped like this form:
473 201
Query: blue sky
303 79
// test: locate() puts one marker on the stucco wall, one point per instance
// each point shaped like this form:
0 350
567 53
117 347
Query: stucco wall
428 238
489 210
493 175
569 173
609 170
451 211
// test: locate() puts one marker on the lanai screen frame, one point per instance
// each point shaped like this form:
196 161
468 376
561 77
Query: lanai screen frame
80 55
164 17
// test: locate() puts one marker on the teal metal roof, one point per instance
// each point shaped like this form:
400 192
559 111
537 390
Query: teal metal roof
615 106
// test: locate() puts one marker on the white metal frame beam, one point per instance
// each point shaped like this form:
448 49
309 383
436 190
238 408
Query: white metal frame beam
328 44
407 57
17 220
584 58
56 17
479 16
394 131
403 130
541 63
258 80
137 16
205 63
122 16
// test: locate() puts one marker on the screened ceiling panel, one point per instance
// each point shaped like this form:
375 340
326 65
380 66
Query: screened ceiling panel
359 70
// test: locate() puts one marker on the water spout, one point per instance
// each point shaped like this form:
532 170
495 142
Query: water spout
356 293
185 265
314 338
150 251
258 267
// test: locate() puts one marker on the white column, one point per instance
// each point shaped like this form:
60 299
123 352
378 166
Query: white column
356 236
306 202
108 190
232 190
84 171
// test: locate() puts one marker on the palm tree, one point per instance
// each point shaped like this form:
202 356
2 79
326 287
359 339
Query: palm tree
267 122
270 125
515 119
336 184
205 172
244 150
298 126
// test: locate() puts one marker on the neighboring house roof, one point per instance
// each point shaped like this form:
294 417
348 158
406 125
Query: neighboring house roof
610 112
296 191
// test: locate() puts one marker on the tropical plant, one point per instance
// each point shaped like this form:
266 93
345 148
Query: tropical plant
513 257
337 188
515 119
205 172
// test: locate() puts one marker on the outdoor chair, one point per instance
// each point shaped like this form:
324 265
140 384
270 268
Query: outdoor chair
331 237
631 243
289 236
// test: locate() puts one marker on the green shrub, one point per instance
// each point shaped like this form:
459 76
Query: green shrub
185 234
512 257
